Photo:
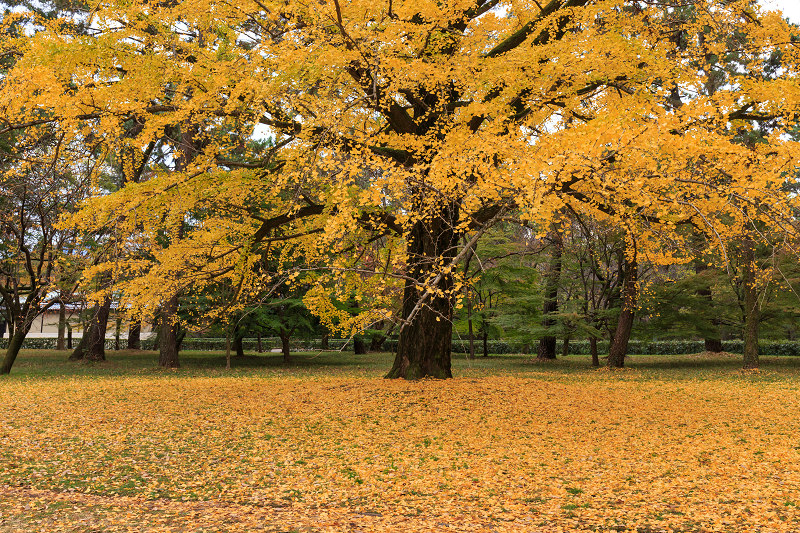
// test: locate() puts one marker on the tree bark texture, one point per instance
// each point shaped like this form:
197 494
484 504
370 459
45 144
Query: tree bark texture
751 308
287 354
547 344
228 351
62 327
593 351
713 343
168 338
471 337
14 345
326 341
96 342
423 348
622 334
80 350
117 327
92 344
238 346
135 336
359 347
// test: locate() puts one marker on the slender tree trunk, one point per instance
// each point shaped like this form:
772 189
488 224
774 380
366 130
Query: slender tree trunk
168 338
69 337
14 345
547 344
619 344
135 335
326 343
424 344
259 346
287 354
593 351
485 342
62 326
470 331
565 347
751 308
471 338
117 327
228 350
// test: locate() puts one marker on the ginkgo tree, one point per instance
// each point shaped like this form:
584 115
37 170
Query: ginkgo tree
404 130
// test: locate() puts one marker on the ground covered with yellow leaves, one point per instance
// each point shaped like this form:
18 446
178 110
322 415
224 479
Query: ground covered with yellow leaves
531 451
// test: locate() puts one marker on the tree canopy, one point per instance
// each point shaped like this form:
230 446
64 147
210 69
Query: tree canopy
403 130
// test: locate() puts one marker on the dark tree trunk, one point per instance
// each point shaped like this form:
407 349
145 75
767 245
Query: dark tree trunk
96 343
80 350
713 345
117 327
547 344
69 337
92 344
622 334
471 338
424 345
378 340
376 343
135 336
713 342
62 326
259 346
287 354
565 347
359 347
179 338
228 351
14 345
751 308
238 346
168 337
593 351
547 348
485 342
326 344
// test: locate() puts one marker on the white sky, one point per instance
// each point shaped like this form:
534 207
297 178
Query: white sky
790 8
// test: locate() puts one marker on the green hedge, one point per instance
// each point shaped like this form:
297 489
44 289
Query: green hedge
459 346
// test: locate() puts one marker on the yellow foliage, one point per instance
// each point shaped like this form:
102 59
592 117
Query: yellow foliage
385 115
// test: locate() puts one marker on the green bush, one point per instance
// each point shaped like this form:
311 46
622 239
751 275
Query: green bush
459 346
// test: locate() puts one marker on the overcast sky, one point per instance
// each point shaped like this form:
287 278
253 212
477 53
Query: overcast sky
790 8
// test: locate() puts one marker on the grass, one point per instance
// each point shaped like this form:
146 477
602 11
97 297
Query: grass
680 443
53 363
